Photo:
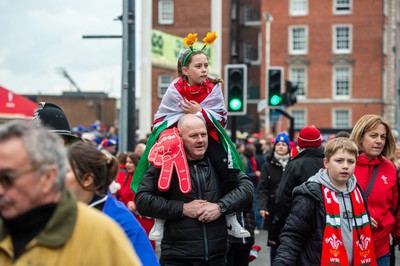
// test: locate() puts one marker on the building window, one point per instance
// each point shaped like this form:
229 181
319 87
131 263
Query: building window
342 82
384 83
298 7
385 7
384 41
163 82
342 6
298 40
250 53
341 119
342 39
299 119
251 16
165 12
298 76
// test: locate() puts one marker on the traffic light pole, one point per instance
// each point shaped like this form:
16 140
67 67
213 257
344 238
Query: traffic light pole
291 118
233 128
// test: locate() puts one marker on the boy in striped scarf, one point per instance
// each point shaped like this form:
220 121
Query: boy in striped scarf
329 222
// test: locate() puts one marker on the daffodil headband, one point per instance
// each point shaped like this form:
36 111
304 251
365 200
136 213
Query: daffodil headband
192 38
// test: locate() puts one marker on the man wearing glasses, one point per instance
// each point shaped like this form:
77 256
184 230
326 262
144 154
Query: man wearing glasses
40 221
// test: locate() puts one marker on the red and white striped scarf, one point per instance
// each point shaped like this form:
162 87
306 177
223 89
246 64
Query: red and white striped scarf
333 249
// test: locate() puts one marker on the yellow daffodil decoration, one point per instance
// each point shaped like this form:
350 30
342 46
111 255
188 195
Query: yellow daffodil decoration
192 38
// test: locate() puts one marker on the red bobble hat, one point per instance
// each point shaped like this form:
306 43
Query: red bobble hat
108 142
309 137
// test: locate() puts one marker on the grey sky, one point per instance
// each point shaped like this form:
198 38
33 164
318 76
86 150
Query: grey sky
39 36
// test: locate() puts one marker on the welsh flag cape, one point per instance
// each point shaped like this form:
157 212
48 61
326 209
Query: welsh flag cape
168 114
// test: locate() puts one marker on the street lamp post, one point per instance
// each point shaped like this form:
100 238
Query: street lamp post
268 20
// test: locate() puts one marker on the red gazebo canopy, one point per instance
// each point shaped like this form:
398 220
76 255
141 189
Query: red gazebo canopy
14 106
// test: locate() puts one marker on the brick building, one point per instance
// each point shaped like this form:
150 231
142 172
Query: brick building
239 42
83 108
342 55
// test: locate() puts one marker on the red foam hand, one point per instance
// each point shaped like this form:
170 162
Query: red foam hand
168 153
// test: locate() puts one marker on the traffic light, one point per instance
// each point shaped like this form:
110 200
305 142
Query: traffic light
290 96
275 85
236 89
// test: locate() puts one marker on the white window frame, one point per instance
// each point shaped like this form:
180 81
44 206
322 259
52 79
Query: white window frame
248 50
293 4
384 40
335 123
385 8
162 85
291 46
335 79
302 91
251 16
336 5
299 122
165 12
384 83
335 49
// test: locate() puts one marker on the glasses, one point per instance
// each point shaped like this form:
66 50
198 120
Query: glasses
8 177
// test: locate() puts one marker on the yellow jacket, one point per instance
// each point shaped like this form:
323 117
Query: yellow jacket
74 235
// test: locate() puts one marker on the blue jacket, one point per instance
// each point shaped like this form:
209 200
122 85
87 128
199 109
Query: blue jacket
135 232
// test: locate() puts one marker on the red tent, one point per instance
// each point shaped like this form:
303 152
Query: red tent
14 106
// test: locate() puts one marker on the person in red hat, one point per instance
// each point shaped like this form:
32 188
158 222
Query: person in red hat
108 146
304 165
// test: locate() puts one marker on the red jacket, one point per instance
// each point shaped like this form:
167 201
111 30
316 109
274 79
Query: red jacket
382 200
125 193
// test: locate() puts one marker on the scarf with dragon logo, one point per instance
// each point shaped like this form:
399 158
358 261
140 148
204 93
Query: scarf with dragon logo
333 249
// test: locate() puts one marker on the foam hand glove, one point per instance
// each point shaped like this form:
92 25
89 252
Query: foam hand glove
168 153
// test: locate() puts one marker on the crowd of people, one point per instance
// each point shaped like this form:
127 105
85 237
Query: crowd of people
338 196
189 187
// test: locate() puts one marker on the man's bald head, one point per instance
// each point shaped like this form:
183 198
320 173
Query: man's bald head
189 120
194 134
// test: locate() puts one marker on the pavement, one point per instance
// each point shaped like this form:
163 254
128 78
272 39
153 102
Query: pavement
263 256
260 239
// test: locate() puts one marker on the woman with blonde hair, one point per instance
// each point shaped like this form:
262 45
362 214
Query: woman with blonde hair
377 177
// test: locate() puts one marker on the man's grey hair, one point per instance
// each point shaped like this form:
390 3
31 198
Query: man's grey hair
43 147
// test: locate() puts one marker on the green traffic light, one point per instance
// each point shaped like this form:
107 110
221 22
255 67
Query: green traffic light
235 104
275 100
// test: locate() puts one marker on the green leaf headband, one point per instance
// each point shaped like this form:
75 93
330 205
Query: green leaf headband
192 38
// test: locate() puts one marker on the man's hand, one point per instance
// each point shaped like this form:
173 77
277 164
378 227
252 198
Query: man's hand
374 223
264 213
190 209
131 206
271 243
208 212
